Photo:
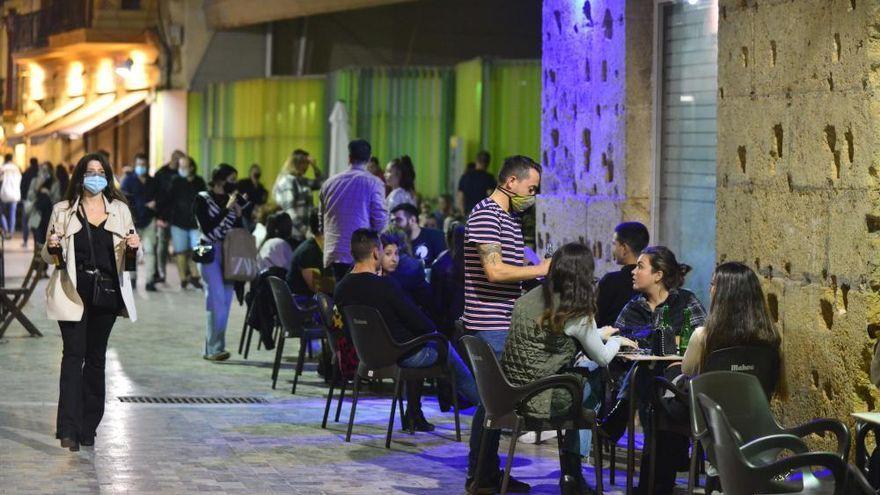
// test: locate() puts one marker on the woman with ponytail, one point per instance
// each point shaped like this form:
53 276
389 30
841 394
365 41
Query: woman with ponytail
400 175
658 278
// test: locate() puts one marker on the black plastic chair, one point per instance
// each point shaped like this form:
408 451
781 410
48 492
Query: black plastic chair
747 407
749 467
293 321
761 362
325 312
502 402
379 355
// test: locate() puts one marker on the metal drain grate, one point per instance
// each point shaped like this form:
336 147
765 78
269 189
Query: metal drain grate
145 399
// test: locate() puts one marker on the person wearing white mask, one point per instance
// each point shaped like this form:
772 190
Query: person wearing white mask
139 188
91 242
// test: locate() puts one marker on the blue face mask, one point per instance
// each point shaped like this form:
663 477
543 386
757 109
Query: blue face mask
140 170
183 173
95 184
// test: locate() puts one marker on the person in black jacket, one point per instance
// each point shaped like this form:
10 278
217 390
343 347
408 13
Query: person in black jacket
26 179
139 189
164 177
218 211
362 286
447 281
616 288
184 229
256 194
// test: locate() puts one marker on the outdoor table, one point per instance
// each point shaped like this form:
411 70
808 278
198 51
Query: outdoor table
640 361
865 423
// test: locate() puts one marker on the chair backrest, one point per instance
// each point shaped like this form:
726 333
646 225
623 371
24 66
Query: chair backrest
744 403
496 393
736 476
760 361
290 317
325 311
370 336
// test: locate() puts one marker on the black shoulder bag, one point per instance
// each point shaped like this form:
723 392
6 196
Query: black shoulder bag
105 290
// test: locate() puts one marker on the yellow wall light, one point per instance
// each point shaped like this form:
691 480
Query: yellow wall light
104 82
76 85
36 82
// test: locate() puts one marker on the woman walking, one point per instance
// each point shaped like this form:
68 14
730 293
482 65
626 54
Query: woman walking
88 290
218 210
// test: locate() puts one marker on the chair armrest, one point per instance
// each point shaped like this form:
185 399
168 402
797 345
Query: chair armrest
772 442
439 338
678 393
567 382
811 459
822 425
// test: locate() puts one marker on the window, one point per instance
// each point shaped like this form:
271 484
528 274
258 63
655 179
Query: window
685 208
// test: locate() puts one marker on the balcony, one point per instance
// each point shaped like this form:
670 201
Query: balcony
32 30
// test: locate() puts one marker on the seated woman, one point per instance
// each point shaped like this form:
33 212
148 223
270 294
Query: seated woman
738 316
276 250
407 271
547 324
658 278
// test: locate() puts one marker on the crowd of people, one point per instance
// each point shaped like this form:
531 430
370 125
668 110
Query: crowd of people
366 237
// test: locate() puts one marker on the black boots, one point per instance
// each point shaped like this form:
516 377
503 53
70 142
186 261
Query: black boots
572 481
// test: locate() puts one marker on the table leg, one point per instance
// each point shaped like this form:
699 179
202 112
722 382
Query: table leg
631 431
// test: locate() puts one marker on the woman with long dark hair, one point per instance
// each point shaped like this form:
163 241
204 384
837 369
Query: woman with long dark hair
88 290
738 316
277 248
218 211
546 325
400 175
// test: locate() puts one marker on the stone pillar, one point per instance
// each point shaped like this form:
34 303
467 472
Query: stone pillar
798 151
596 120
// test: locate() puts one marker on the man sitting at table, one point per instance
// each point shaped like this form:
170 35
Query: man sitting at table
362 286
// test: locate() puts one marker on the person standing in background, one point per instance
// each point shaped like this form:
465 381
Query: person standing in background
256 193
164 176
26 178
184 229
475 184
10 195
400 175
293 191
139 189
43 192
354 199
374 168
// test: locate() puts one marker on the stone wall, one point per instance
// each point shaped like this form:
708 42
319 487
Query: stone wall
798 150
596 120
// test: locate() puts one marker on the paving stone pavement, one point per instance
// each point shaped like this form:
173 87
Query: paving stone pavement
278 447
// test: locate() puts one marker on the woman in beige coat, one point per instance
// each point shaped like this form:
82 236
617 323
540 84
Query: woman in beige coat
88 289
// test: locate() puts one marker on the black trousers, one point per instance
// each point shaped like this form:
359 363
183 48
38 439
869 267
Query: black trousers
82 391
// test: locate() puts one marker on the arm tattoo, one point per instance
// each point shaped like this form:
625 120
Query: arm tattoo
490 254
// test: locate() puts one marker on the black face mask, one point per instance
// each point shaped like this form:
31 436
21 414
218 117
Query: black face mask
229 187
256 176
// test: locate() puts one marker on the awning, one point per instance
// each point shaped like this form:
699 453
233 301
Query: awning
84 112
50 117
119 106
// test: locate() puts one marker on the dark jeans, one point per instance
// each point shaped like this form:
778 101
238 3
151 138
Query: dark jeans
81 401
491 461
339 270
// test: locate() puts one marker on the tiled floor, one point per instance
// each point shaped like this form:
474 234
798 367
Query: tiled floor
277 447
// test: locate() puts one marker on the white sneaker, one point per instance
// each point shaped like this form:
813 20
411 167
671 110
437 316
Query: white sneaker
532 437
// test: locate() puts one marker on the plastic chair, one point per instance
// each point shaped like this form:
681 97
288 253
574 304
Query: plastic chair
325 312
761 362
292 320
742 473
379 354
502 401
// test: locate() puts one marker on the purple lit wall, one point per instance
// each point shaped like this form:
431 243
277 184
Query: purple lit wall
596 101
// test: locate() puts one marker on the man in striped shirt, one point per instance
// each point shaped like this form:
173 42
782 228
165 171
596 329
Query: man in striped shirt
494 269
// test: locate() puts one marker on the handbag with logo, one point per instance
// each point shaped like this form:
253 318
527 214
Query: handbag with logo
105 290
240 256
